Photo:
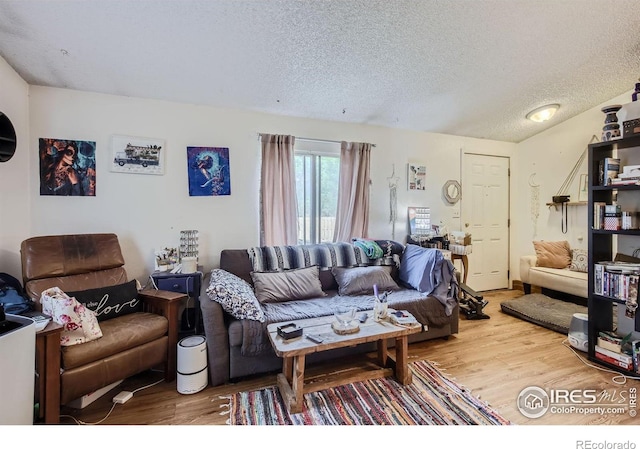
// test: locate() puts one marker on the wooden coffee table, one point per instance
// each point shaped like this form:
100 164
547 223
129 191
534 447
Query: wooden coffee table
293 351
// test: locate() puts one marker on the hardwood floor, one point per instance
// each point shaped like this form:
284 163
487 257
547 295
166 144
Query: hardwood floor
494 358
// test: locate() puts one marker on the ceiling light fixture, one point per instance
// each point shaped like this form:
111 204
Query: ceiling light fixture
543 113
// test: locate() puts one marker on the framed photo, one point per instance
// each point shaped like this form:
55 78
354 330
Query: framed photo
67 167
137 155
208 170
416 177
583 193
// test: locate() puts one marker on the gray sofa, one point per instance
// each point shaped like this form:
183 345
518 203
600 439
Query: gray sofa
228 356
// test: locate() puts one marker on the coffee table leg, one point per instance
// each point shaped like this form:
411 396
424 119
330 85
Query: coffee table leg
403 374
292 389
287 368
382 352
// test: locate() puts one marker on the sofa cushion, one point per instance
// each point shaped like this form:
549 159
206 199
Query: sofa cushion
287 285
234 295
579 260
419 266
552 254
360 280
562 280
118 335
112 301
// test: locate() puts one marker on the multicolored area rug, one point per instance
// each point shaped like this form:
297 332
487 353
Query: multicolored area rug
432 398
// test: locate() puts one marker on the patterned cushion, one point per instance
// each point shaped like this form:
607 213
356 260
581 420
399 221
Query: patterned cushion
324 255
234 295
80 324
579 260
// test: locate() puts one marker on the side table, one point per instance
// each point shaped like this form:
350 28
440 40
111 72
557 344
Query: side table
188 283
48 372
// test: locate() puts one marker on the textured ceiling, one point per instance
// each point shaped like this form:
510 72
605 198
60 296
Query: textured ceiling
462 67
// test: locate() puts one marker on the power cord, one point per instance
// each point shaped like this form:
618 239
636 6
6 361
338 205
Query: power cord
122 393
622 378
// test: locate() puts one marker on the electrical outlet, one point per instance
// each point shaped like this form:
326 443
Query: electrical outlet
456 214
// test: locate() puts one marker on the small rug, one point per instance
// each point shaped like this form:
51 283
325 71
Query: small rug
544 311
431 398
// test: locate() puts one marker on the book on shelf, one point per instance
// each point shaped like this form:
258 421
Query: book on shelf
610 345
598 214
619 356
611 336
598 274
624 182
613 361
609 169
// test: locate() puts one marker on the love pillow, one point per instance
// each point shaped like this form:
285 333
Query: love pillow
112 301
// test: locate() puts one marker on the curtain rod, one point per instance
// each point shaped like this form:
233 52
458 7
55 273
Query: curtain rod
309 139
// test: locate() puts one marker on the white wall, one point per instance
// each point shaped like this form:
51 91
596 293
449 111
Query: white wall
551 155
15 191
148 211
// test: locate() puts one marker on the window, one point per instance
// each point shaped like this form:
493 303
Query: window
317 194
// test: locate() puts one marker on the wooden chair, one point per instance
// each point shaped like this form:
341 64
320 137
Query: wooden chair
130 343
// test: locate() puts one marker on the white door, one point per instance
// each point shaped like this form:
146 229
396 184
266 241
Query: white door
485 215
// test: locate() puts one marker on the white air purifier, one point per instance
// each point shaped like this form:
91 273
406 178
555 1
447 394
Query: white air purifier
578 331
192 364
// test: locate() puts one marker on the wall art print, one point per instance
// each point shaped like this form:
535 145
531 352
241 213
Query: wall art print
67 167
416 177
137 155
208 169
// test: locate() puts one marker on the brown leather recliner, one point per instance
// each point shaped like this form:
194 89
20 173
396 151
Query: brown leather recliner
129 344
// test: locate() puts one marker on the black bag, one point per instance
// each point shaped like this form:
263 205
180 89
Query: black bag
12 296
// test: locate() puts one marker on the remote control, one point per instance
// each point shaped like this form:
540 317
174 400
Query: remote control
314 338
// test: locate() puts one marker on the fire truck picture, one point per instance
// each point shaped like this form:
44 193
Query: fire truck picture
133 154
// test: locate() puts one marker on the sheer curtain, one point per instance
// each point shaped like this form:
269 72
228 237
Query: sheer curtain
278 206
352 216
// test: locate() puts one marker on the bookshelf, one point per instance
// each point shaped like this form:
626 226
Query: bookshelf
604 244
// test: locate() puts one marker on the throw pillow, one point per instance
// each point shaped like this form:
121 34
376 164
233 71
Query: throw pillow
390 248
579 260
419 267
281 286
112 301
552 254
80 324
360 280
235 295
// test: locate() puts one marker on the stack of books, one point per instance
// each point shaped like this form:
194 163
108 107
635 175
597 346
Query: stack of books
630 176
616 350
609 349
